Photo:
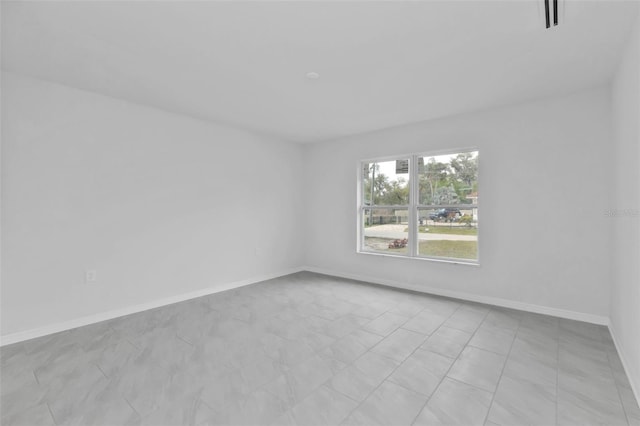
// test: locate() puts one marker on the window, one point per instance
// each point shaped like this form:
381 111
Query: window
421 206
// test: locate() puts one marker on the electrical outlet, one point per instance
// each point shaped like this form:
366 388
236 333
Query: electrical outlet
90 276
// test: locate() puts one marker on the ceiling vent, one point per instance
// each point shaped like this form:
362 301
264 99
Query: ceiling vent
552 11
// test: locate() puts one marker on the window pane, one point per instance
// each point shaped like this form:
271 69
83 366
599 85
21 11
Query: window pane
386 230
448 179
448 233
390 183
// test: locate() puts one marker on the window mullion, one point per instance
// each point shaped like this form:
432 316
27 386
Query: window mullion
413 202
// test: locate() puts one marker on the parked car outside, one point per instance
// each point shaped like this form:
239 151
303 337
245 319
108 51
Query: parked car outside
448 213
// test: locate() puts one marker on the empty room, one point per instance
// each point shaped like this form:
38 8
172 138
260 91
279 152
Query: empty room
320 212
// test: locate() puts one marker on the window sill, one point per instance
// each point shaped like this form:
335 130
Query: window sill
429 259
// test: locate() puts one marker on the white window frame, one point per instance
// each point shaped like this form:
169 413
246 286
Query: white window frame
413 207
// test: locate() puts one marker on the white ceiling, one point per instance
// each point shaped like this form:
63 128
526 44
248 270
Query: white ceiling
381 64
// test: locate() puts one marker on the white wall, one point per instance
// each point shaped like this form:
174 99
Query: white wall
544 179
625 290
159 204
162 205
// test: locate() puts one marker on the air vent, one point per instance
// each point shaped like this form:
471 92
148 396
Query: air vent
552 12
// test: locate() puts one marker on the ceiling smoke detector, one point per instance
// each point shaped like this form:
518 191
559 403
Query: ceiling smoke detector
313 75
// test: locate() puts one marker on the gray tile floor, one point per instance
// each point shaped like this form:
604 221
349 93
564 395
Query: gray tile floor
309 349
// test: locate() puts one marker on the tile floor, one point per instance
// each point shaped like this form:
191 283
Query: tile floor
308 349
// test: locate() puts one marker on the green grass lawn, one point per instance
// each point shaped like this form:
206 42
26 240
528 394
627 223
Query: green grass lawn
440 248
446 248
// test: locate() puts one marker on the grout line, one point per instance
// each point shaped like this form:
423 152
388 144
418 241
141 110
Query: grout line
374 389
394 370
188 343
557 367
132 407
407 357
103 373
624 408
490 351
446 374
132 344
384 336
51 414
493 396
207 405
453 379
635 390
36 376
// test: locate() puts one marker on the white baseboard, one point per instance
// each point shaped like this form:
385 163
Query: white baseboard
103 316
91 319
634 386
505 303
